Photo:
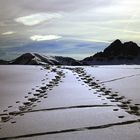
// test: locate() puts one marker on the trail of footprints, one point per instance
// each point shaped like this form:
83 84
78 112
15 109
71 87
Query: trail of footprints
121 101
34 97
102 91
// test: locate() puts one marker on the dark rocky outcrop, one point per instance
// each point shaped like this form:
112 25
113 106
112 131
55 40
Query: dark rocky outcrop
116 53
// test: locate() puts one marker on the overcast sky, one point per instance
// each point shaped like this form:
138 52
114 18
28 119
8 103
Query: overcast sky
23 22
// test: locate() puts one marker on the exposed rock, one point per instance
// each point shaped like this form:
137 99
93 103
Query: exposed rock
116 53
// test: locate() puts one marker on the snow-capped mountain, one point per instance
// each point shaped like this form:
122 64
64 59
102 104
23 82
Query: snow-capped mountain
37 59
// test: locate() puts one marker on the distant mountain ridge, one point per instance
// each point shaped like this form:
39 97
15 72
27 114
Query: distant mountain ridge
116 53
37 59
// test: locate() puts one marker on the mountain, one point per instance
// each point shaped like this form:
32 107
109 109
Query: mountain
116 53
37 59
3 62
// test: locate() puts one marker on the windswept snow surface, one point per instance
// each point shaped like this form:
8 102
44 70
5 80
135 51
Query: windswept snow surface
17 81
124 79
67 103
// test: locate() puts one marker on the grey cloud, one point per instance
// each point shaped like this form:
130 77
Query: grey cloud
97 19
21 7
63 5
12 9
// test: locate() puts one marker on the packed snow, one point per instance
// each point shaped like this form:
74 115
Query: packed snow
64 103
123 79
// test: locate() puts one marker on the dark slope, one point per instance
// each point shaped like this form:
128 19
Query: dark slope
116 53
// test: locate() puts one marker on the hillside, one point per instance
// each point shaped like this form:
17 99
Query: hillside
116 53
37 59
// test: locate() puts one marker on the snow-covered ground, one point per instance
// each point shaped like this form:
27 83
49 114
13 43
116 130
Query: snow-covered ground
67 103
16 83
124 79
